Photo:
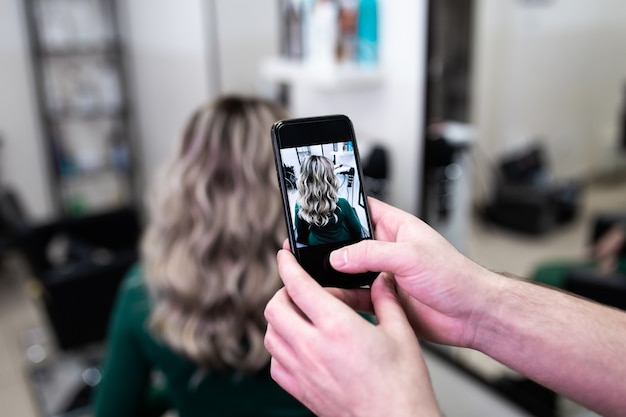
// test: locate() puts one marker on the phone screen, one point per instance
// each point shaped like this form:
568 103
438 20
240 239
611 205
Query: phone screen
321 182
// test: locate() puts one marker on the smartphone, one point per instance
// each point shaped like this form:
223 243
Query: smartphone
320 178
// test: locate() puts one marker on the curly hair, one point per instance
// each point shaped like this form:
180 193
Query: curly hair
318 191
215 224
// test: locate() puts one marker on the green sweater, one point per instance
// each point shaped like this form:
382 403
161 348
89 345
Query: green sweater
134 357
345 228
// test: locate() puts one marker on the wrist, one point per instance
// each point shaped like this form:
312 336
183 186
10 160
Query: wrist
485 322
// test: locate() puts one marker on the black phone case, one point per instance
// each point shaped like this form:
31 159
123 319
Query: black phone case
308 132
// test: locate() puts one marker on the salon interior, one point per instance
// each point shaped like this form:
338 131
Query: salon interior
501 123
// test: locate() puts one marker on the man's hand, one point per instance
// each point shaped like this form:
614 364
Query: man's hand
442 291
337 363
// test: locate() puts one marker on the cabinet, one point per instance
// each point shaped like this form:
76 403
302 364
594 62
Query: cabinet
82 95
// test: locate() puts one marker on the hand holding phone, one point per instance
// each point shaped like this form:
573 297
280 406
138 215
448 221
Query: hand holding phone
320 178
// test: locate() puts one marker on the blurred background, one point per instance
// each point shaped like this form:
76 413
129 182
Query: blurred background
502 123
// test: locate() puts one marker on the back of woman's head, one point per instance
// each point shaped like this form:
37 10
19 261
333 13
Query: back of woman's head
317 187
215 224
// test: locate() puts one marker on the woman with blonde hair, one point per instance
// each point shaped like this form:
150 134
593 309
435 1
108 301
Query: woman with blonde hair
321 216
193 312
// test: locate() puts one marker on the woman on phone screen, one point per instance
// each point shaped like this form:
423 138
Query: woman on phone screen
321 216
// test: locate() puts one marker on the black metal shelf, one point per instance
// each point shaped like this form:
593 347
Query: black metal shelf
58 116
79 50
82 96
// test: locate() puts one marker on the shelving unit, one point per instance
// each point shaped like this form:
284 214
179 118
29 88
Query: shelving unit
80 80
340 77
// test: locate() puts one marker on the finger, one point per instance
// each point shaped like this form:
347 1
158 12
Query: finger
389 312
357 299
286 319
373 255
286 244
275 343
314 301
284 378
278 347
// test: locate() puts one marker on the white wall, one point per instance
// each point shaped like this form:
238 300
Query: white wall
185 53
246 32
555 71
398 112
22 163
170 70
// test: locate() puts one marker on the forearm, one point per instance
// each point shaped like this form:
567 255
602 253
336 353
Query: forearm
572 346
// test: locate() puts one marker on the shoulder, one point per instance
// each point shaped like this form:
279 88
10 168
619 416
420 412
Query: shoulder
343 203
132 295
133 282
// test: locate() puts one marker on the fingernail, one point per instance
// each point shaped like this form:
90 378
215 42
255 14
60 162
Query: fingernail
339 258
389 283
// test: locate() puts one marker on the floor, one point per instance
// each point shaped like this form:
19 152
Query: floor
19 316
22 324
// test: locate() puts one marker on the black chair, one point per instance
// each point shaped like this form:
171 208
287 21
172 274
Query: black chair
376 172
525 199
79 263
13 220
608 289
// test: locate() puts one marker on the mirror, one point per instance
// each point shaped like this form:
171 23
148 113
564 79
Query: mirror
545 157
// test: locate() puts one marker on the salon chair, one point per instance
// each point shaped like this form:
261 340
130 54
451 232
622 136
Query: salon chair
608 289
526 199
77 264
376 172
13 220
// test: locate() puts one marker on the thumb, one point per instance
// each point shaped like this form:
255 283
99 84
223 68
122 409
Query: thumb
372 255
387 307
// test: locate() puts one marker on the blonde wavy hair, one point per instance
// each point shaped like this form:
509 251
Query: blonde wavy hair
318 191
215 224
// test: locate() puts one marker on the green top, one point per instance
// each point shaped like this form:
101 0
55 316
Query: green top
346 227
135 357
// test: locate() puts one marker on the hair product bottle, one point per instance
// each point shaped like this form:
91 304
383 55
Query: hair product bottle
323 34
292 22
348 15
367 33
